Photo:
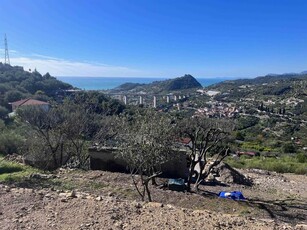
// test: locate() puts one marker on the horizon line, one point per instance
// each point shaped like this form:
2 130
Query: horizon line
151 77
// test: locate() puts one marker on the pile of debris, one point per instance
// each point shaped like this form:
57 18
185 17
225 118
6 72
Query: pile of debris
14 157
224 173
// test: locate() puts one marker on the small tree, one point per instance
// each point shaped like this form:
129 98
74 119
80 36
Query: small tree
45 136
146 143
206 149
59 134
77 128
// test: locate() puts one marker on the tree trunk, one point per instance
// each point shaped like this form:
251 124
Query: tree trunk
191 171
200 176
54 159
147 190
135 183
154 182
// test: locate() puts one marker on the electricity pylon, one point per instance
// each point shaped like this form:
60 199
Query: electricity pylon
6 52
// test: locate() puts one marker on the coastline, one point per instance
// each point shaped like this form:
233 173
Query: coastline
104 83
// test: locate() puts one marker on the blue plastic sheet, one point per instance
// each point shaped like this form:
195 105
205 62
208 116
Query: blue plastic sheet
235 195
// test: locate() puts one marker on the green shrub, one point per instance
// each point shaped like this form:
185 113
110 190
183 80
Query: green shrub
302 169
288 148
246 122
2 125
239 136
236 163
12 171
3 112
301 157
256 147
284 164
10 142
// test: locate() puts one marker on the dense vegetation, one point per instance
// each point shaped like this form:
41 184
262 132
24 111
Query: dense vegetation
61 133
16 84
283 164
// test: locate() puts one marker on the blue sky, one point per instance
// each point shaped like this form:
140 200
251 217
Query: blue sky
156 38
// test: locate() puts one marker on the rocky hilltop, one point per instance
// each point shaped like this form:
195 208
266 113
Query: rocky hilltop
180 83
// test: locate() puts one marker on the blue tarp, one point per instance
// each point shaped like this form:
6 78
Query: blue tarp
235 195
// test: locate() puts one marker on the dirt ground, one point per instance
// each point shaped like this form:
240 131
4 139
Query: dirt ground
105 200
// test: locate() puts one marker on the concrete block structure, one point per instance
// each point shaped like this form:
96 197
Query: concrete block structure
105 158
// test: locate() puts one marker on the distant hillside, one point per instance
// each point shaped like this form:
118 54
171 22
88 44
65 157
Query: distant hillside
16 84
181 83
264 87
128 86
270 78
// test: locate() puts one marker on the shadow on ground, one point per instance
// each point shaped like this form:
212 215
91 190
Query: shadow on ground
289 210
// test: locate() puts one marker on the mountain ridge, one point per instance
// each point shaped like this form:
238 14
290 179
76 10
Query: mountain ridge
180 83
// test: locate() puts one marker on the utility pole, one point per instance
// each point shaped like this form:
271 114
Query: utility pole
6 55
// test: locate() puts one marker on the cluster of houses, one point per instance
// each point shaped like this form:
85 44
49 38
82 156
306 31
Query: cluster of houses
292 101
210 93
217 109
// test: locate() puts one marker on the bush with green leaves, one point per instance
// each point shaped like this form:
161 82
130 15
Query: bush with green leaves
255 146
301 157
288 148
246 122
10 142
283 164
3 112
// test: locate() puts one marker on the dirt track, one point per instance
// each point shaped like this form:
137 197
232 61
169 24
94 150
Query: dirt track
109 206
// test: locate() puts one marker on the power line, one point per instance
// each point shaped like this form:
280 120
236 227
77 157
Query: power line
6 55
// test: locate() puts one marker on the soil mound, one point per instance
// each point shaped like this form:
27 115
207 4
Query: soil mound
224 173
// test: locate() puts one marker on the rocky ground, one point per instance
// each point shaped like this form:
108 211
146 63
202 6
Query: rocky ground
105 200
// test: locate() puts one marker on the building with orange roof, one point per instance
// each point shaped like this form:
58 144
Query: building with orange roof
30 102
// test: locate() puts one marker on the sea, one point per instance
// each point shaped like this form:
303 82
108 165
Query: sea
103 83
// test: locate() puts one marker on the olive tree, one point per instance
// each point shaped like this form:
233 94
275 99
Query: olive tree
77 128
207 147
45 137
58 135
145 144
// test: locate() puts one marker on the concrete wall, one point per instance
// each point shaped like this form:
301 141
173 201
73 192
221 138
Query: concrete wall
105 159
